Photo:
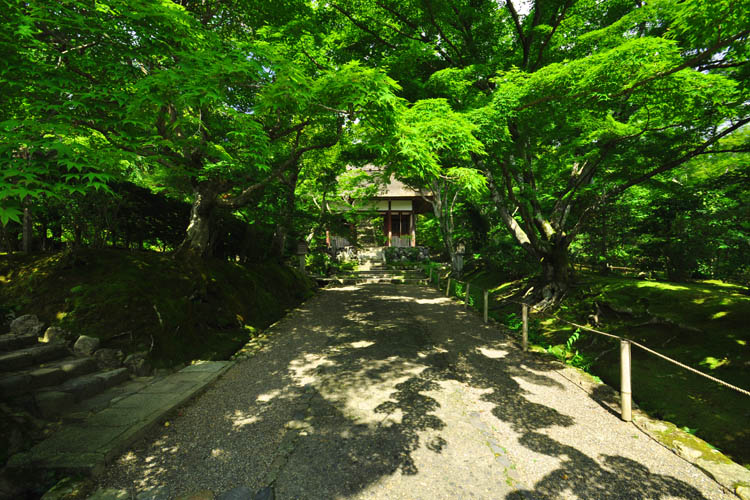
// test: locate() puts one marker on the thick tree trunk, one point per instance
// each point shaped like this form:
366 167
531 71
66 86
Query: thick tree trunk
556 275
198 234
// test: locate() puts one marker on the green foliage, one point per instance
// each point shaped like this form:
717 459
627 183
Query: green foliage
513 321
318 263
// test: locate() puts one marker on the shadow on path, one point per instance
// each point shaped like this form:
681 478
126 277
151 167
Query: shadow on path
346 395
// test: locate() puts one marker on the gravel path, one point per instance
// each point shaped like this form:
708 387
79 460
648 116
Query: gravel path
391 392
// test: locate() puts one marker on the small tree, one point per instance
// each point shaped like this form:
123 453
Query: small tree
435 147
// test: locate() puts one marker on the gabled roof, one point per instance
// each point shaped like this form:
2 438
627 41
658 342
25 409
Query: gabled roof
394 188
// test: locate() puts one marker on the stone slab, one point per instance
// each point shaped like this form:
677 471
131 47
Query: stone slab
78 366
15 360
47 352
69 463
104 399
82 387
10 342
86 447
113 377
42 377
205 366
177 383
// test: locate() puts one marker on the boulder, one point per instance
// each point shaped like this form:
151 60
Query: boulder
85 345
108 359
137 364
55 334
28 324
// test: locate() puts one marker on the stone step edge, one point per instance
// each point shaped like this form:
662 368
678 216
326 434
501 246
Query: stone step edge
94 462
10 342
23 381
362 281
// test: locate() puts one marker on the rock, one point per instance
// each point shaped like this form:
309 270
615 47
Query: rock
137 364
55 334
239 493
28 324
85 345
743 492
108 359
198 495
266 493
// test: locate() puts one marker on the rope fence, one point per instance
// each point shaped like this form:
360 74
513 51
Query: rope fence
625 344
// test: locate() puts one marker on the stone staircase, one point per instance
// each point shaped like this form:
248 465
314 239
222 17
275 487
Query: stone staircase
49 379
372 268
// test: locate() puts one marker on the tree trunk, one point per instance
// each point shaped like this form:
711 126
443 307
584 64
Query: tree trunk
43 237
443 210
198 234
26 238
284 226
556 275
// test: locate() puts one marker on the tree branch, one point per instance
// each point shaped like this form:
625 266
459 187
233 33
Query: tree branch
363 27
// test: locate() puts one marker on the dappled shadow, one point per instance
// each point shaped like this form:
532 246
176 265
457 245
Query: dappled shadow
615 478
348 392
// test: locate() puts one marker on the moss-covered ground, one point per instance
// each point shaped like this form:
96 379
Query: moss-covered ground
704 324
177 310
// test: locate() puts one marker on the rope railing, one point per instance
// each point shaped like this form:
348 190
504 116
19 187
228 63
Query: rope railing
625 343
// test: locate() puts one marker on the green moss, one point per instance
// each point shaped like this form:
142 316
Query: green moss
178 310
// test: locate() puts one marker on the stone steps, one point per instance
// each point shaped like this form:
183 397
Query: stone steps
11 342
343 281
99 428
29 356
388 273
61 399
48 379
46 374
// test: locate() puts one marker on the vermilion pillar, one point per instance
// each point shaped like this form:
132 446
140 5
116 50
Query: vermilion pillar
388 226
413 224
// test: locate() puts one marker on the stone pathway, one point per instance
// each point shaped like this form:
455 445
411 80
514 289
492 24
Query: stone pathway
85 447
394 392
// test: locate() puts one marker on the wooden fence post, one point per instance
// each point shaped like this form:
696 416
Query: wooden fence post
625 387
466 301
448 288
525 330
485 305
430 276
